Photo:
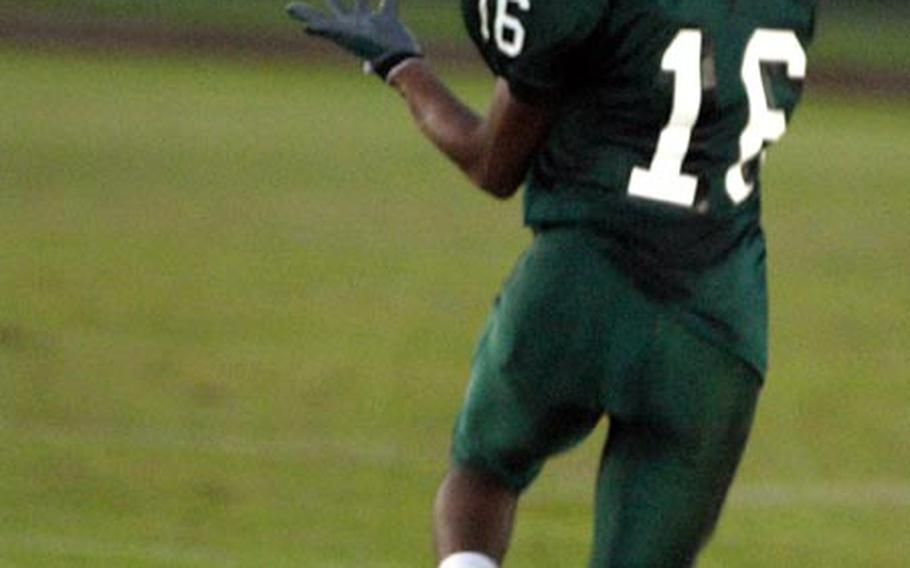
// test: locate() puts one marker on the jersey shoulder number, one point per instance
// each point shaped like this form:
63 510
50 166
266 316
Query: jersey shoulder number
508 31
527 41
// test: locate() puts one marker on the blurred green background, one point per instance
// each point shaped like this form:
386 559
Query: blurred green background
851 32
238 297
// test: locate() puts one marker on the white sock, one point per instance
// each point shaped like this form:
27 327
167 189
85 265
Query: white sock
468 560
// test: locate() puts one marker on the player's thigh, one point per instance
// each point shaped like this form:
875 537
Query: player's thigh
669 462
531 392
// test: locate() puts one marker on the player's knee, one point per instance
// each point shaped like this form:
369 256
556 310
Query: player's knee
477 481
492 465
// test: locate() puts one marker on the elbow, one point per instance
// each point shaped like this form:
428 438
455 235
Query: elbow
501 190
499 186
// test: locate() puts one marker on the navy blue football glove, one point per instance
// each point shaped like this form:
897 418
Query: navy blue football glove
378 37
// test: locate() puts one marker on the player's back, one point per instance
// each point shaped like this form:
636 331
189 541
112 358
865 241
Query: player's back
664 107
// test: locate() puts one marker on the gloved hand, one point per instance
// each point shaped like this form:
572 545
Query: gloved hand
378 38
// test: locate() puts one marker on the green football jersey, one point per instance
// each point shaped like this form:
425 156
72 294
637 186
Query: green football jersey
663 111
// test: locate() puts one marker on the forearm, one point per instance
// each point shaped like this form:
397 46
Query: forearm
456 130
495 151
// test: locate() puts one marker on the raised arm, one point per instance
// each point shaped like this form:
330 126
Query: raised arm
495 151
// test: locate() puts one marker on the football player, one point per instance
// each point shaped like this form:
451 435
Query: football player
638 128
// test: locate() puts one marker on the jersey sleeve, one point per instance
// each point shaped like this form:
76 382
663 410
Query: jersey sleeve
532 43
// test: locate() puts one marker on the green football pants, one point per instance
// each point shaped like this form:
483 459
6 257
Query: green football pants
571 339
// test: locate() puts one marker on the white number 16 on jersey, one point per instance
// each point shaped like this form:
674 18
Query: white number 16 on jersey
508 31
664 180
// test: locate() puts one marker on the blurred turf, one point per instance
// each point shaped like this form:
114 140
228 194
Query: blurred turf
435 20
238 301
871 36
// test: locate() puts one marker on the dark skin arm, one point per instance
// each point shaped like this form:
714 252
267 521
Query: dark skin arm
494 151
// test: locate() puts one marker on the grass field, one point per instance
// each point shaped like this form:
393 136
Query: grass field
238 300
842 38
